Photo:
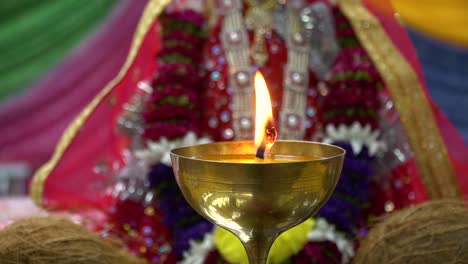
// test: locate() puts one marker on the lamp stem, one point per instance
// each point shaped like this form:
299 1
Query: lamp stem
258 247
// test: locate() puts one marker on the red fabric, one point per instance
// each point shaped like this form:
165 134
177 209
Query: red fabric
457 149
73 183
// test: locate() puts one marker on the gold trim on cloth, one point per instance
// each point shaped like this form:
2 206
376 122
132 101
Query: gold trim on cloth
407 93
151 11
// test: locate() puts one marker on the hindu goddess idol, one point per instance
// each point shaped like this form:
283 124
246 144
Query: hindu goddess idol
341 72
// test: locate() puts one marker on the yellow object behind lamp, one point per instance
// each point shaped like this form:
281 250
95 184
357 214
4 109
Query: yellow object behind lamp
443 20
286 245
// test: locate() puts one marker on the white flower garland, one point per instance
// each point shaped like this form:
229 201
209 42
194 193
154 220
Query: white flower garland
357 135
160 151
324 231
198 251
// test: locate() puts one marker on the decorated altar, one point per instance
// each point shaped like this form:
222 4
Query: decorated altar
338 72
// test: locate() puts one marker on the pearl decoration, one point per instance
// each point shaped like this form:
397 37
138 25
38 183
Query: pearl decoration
292 121
245 123
234 37
296 78
228 133
242 78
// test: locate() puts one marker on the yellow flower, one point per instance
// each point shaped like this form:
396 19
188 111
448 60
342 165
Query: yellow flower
286 245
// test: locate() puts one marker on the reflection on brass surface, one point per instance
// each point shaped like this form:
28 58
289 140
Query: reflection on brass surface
258 200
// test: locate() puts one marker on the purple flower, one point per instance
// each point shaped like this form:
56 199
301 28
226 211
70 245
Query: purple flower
345 206
185 224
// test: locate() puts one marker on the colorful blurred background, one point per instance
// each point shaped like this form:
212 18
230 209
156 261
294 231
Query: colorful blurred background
55 55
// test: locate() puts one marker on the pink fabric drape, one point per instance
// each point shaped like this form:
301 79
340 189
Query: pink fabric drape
32 123
458 151
74 183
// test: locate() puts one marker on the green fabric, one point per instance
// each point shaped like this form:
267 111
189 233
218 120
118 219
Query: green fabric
35 34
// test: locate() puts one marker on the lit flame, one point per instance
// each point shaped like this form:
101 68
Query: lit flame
263 113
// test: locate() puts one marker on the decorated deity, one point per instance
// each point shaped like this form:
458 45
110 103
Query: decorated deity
338 72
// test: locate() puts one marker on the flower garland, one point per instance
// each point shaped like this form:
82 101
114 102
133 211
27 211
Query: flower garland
351 192
152 218
349 112
357 135
324 231
159 151
178 216
135 220
352 105
350 115
353 94
172 119
171 112
198 251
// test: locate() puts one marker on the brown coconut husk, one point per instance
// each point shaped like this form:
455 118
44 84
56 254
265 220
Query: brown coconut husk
57 240
433 232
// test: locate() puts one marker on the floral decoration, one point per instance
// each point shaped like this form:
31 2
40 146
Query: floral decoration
159 151
357 135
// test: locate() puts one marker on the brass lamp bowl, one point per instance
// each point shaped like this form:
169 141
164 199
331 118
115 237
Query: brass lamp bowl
257 200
